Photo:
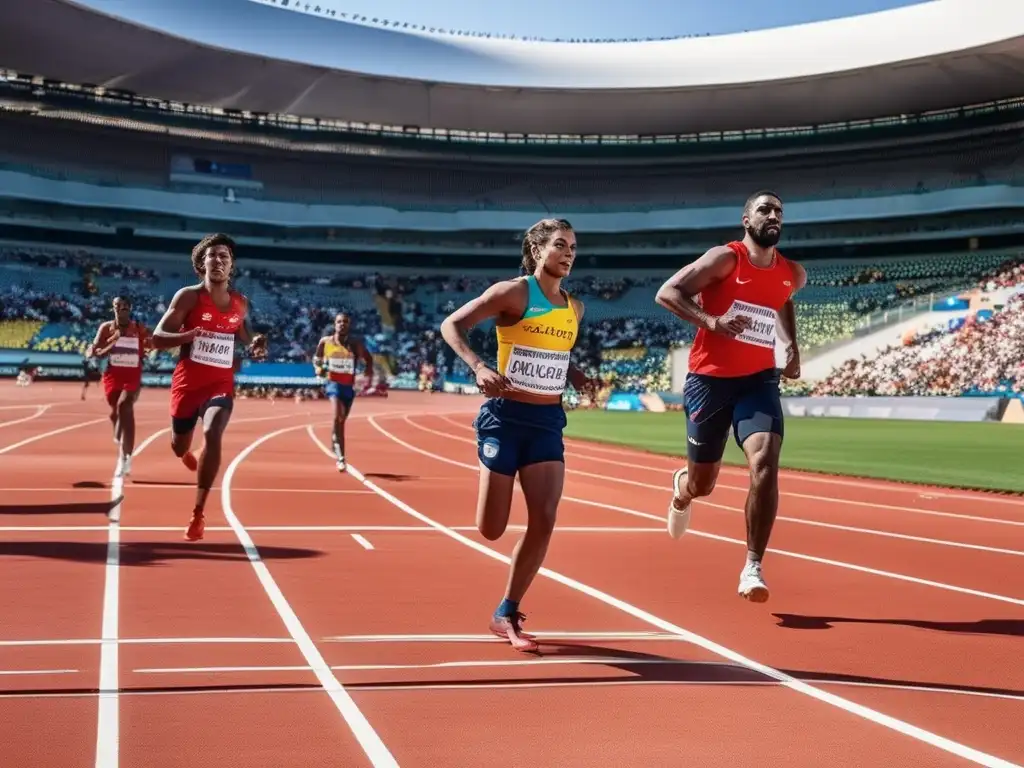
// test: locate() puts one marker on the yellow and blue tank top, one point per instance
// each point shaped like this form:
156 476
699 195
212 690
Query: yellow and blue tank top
533 354
339 362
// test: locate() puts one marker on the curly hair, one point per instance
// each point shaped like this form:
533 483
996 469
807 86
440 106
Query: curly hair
537 237
211 241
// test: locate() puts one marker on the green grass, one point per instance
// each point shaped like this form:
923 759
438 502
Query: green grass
982 455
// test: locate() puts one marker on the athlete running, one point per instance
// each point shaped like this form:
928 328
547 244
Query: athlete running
519 427
746 290
124 341
335 361
205 320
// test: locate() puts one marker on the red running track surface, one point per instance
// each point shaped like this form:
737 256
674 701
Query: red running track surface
351 630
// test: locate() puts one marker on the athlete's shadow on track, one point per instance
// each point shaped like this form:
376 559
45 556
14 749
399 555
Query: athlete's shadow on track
78 508
146 553
645 668
1011 627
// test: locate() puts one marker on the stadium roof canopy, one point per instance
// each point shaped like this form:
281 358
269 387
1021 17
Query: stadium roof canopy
256 56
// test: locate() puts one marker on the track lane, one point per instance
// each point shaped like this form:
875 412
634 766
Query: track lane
913 652
173 588
986 571
658 468
401 578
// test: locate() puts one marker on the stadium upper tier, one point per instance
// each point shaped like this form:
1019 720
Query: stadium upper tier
66 149
263 57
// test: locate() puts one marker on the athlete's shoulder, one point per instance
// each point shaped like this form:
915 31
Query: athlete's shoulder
187 296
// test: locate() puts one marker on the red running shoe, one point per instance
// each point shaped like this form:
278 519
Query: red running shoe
196 527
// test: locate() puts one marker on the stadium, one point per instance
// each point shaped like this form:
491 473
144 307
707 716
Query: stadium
389 171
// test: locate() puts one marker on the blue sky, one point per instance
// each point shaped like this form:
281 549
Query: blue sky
612 18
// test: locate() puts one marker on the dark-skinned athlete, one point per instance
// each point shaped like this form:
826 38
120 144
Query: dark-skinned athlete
740 297
335 360
123 341
205 321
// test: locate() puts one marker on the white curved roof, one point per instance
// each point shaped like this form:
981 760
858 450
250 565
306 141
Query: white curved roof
252 55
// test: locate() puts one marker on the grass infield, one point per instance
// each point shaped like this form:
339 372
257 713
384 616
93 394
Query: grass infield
979 455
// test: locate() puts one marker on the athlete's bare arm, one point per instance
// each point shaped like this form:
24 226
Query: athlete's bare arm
101 346
167 333
787 326
579 380
256 342
502 301
367 359
318 356
676 294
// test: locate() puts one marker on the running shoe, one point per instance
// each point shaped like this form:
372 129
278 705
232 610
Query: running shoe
196 527
752 586
678 519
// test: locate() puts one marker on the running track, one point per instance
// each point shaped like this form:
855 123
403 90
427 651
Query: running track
339 620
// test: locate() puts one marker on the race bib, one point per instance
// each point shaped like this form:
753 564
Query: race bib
214 349
125 353
341 364
538 371
761 332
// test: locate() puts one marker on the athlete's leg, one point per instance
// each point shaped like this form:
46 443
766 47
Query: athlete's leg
216 415
342 403
542 489
708 407
125 430
758 426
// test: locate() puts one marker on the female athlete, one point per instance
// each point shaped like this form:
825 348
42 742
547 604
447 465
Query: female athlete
519 427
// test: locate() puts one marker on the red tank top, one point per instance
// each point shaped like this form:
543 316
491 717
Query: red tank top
210 358
759 293
124 361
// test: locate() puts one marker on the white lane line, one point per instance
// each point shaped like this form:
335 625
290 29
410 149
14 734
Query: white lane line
550 634
322 528
923 490
357 722
363 688
834 500
37 671
716 537
145 641
363 541
51 433
613 661
895 724
108 718
40 410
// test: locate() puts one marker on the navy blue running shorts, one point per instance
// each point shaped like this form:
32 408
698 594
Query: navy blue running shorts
511 435
714 404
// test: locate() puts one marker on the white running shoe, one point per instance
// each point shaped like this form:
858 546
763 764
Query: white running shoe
341 465
752 586
678 519
124 466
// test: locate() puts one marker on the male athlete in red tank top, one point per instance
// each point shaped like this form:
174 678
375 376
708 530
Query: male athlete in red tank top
124 342
204 321
739 296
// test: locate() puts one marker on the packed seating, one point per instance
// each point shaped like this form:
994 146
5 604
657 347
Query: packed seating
981 353
53 301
